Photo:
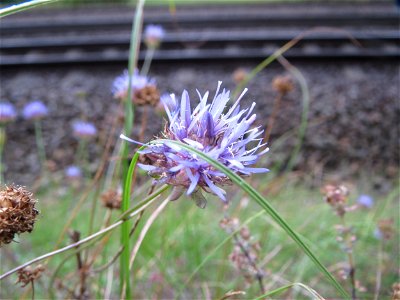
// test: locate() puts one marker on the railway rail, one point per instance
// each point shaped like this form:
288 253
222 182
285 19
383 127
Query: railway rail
217 35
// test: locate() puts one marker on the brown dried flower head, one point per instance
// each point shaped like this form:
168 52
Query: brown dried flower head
396 291
17 212
336 196
239 75
29 274
148 95
112 199
386 228
282 84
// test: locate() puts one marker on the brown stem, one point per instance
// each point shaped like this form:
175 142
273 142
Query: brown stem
96 178
379 272
75 237
259 273
350 258
102 268
33 289
272 118
143 124
74 245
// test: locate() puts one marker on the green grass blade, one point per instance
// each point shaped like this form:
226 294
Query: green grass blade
124 261
23 6
286 287
129 119
266 206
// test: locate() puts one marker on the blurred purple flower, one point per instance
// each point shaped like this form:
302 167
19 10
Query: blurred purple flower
7 113
35 110
84 129
226 137
73 172
121 83
153 35
366 201
378 234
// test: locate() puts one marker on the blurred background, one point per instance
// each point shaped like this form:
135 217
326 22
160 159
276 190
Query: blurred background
68 54
330 107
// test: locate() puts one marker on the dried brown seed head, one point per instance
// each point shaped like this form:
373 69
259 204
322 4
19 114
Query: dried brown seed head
282 84
396 291
386 228
17 212
239 75
336 196
148 95
112 199
29 274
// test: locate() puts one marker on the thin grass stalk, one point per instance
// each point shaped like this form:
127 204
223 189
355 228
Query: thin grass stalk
213 251
394 195
266 62
304 114
265 205
145 229
2 143
40 143
147 61
378 280
289 286
61 264
23 6
123 218
129 118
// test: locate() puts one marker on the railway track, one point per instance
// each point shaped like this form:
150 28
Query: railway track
202 35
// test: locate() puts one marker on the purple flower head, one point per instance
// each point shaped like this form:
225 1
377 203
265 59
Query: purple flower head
225 135
84 129
35 110
73 172
366 201
7 113
121 83
378 234
153 35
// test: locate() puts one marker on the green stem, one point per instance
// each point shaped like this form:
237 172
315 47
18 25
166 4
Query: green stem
2 143
82 156
289 286
304 115
40 143
256 196
129 119
23 6
147 61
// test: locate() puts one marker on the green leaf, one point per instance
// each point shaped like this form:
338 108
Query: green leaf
23 6
265 205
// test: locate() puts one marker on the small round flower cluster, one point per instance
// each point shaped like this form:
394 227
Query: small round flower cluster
153 35
32 111
144 90
82 129
35 110
224 136
73 172
7 113
365 201
17 212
